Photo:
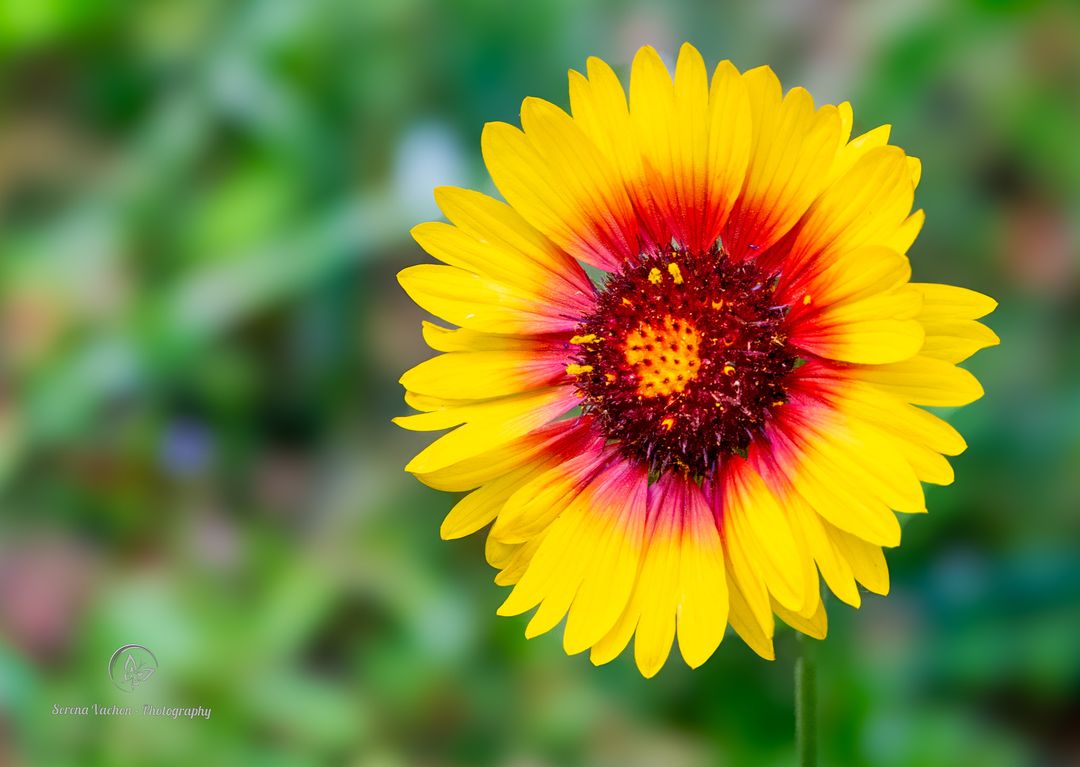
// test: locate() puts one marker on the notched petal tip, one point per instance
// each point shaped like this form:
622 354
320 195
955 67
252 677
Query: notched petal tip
648 58
444 193
977 390
764 71
506 612
763 82
532 632
647 50
496 134
650 667
689 56
596 67
408 276
988 305
915 168
724 69
452 530
537 105
426 232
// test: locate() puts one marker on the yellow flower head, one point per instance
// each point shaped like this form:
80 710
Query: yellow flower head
733 411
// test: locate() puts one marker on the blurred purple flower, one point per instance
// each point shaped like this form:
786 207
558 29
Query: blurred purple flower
186 448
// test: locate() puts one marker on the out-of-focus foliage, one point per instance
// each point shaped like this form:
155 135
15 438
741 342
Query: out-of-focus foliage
202 207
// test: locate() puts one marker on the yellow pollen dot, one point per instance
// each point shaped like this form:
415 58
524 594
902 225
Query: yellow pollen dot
664 356
655 276
718 304
627 302
590 338
778 403
609 377
807 299
576 370
668 422
729 370
673 270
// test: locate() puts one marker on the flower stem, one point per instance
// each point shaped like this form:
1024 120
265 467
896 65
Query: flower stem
806 703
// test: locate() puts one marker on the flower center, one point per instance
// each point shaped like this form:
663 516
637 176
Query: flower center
683 358
663 356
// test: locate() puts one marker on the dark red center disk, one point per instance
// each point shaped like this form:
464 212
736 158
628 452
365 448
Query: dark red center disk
683 358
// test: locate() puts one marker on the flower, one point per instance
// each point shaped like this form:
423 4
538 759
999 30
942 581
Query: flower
732 408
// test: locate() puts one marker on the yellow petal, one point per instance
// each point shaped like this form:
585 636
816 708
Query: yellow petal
677 587
855 149
870 331
484 375
464 340
948 316
613 561
504 266
555 570
536 504
879 455
806 554
703 607
915 169
560 183
591 526
891 413
499 554
902 239
491 221
849 276
729 143
427 403
671 122
472 301
743 572
833 566
652 107
847 120
867 560
928 465
923 381
863 207
948 302
482 505
813 463
474 471
516 559
955 340
815 625
489 425
600 109
758 636
759 531
599 106
611 645
793 148
656 594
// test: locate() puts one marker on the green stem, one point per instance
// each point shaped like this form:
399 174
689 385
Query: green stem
806 703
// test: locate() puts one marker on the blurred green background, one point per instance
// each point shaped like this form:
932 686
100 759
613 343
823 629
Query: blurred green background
202 209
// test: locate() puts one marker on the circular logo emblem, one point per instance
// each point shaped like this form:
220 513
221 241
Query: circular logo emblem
131 665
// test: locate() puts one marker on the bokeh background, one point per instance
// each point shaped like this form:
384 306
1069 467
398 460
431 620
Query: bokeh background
202 209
